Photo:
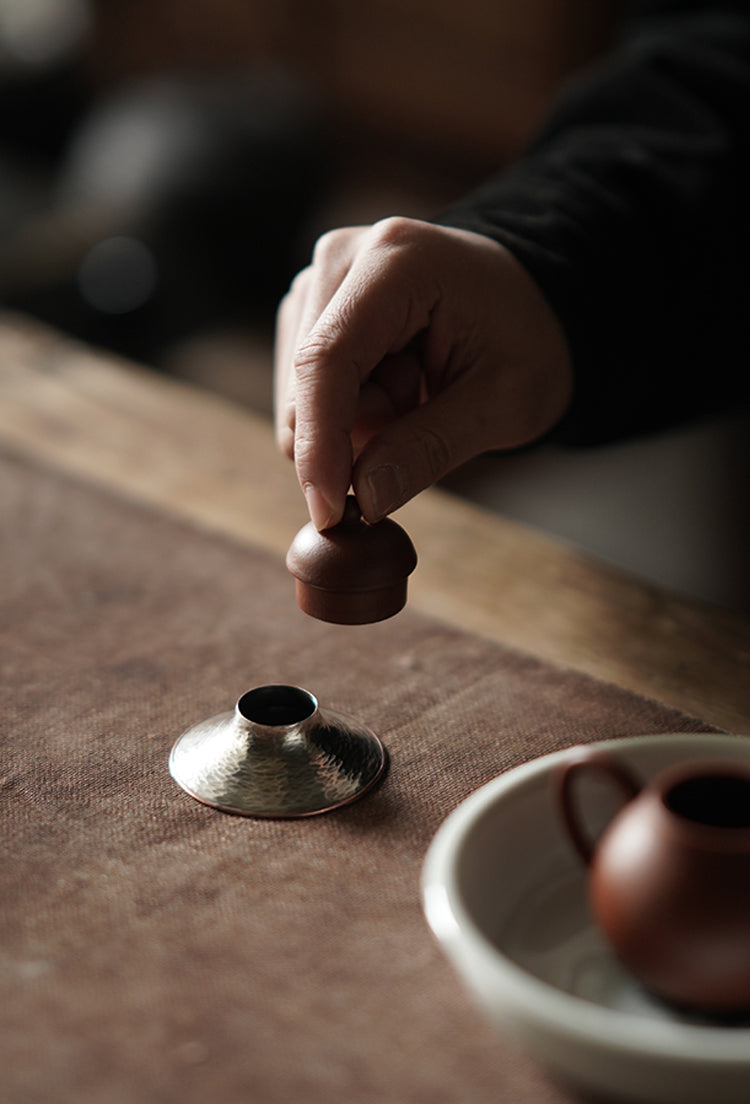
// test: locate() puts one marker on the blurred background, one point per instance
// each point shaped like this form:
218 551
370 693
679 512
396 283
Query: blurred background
166 166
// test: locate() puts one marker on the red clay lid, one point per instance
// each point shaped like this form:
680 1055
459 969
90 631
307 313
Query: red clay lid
353 573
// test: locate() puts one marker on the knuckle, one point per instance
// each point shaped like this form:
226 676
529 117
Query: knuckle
331 247
310 359
289 306
284 312
299 284
297 288
396 231
314 361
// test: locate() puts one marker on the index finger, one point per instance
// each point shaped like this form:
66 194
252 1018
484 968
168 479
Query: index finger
377 310
309 294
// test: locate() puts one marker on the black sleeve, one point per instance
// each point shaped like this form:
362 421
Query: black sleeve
631 213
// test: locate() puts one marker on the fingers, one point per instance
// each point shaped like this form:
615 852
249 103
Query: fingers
298 312
393 389
418 449
500 400
399 314
283 381
414 451
374 312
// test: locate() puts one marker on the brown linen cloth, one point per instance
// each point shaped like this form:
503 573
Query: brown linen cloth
156 950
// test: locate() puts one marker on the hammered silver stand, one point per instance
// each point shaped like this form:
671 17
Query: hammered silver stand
277 754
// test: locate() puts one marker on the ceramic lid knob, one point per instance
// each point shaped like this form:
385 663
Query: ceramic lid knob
353 573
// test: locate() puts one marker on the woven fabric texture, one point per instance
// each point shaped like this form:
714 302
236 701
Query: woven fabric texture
155 950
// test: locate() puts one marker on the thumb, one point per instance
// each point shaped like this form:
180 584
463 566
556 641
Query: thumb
419 448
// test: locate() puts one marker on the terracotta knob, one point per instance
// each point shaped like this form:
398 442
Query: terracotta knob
353 573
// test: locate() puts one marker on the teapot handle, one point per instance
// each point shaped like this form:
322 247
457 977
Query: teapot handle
589 759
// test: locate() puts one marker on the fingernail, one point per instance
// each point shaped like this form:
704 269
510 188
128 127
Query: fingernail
320 509
386 489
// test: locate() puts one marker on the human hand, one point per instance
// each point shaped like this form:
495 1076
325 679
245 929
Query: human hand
404 350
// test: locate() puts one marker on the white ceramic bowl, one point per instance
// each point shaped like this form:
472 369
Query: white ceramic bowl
504 893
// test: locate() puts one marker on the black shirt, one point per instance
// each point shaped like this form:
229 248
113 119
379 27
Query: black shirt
630 210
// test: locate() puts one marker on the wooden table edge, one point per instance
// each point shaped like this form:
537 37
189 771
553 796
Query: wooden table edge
198 456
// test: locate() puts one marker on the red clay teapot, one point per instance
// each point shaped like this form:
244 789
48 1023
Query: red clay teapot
669 877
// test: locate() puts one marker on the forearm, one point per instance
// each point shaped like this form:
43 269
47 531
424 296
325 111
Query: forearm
630 213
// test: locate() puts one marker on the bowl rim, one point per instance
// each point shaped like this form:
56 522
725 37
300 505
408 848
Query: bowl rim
539 1001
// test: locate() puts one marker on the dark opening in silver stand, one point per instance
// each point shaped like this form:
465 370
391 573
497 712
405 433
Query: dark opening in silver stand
277 754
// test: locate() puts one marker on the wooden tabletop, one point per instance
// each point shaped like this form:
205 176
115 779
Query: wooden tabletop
203 458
